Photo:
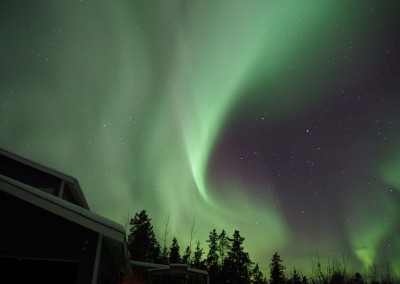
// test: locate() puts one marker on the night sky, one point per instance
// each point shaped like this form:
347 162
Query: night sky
280 119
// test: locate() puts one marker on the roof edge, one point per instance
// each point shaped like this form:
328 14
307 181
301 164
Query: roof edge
67 178
65 205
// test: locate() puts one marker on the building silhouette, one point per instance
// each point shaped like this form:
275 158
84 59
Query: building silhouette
49 234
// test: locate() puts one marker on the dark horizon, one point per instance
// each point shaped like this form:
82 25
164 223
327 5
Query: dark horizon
226 259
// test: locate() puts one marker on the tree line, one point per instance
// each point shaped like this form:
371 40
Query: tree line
227 261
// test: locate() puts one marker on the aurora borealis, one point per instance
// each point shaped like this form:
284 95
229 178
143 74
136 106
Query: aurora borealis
280 119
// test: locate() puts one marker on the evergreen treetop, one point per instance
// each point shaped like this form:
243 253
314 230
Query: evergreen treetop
212 256
238 261
276 270
198 261
142 243
174 254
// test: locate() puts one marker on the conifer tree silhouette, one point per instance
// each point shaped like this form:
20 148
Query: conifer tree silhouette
142 243
198 261
186 256
276 270
257 276
174 254
212 256
238 261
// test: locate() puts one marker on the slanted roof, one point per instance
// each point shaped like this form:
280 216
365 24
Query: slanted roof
63 208
41 177
113 233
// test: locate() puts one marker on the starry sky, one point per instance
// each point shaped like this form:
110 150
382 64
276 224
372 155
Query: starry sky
280 119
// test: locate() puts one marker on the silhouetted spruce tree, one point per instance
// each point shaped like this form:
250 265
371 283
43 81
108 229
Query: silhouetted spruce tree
174 254
304 280
276 270
212 256
164 258
238 261
223 247
142 243
257 276
198 261
295 278
186 256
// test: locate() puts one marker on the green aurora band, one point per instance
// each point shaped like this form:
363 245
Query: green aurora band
132 98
